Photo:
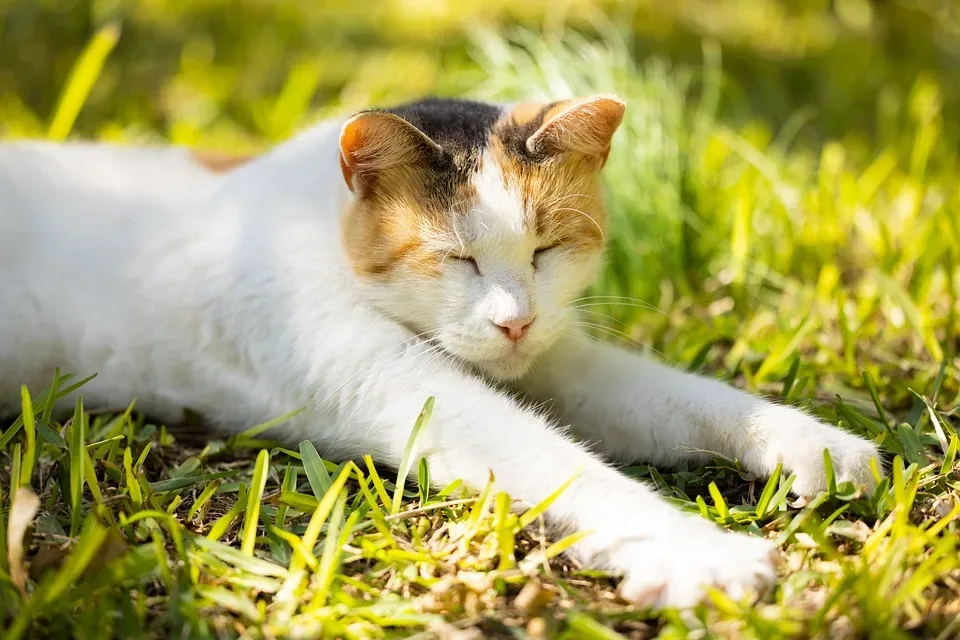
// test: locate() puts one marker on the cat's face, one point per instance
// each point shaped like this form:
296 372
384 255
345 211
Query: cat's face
476 225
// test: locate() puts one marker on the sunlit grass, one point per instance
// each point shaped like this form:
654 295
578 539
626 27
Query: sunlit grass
820 276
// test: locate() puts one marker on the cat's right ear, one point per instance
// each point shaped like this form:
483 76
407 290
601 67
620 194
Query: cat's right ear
373 142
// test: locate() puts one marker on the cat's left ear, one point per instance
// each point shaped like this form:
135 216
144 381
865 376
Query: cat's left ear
376 142
579 125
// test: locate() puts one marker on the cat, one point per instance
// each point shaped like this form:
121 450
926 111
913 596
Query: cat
436 248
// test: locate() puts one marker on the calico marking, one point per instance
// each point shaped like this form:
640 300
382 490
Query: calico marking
416 170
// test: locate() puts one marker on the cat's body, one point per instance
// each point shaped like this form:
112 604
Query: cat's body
363 267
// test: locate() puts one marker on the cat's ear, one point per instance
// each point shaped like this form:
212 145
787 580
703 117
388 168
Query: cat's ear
579 125
375 141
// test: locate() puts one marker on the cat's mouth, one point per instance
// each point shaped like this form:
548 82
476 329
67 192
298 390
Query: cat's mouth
494 356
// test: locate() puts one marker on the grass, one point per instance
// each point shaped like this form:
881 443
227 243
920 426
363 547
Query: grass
824 275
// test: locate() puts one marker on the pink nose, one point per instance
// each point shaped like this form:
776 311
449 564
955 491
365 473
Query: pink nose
514 328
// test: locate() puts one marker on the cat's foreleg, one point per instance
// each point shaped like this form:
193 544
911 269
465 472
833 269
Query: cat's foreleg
667 557
634 408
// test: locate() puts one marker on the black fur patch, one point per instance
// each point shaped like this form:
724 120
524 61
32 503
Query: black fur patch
461 127
515 135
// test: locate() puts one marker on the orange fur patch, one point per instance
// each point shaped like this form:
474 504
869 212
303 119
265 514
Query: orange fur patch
562 194
386 161
218 162
407 188
583 125
387 229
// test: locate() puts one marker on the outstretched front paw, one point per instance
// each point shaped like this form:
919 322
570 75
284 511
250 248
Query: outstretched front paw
677 569
798 441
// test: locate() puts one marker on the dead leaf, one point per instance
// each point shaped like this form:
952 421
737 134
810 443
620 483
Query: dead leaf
22 511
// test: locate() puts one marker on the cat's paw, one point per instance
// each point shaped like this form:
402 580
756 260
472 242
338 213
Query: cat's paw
799 445
677 570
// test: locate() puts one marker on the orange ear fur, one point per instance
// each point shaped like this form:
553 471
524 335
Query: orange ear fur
375 141
579 125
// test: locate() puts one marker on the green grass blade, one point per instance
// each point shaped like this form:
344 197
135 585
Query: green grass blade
223 522
406 460
142 457
77 442
377 482
203 499
231 601
950 455
330 557
312 533
504 524
423 480
299 501
482 504
538 509
288 485
779 499
939 427
132 482
15 466
90 477
872 388
85 550
586 628
47 404
4 565
263 427
254 496
240 559
913 449
718 501
82 78
790 379
769 489
317 474
828 470
375 511
172 484
30 438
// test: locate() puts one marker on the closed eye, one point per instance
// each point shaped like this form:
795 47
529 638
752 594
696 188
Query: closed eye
539 252
468 260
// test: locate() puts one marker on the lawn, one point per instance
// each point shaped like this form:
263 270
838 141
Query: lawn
785 215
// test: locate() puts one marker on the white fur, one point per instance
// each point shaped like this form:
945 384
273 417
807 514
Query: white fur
232 296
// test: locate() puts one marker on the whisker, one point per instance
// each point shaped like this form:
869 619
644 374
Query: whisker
602 315
610 331
587 216
612 297
624 337
569 196
619 304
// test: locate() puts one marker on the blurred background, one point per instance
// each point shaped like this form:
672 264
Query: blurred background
182 67
784 183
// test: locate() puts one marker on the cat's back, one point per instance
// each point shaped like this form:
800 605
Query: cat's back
43 183
74 218
89 167
130 261
77 203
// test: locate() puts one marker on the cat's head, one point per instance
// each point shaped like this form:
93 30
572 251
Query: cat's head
478 225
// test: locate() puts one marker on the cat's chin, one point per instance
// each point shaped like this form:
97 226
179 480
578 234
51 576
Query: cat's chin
508 367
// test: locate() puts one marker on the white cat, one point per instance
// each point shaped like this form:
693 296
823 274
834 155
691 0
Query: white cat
434 249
